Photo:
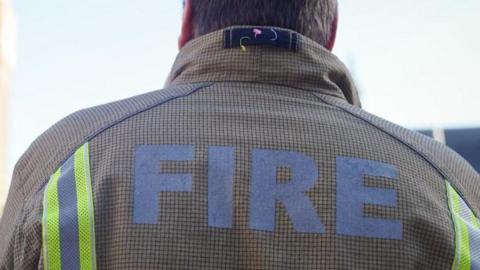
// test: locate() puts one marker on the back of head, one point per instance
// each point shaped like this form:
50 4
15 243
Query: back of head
312 18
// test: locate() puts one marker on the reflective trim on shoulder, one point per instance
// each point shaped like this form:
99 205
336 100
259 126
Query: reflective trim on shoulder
68 225
467 233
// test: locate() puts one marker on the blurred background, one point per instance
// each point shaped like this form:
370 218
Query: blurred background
415 62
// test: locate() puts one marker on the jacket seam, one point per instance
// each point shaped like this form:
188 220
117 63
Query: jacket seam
124 118
312 90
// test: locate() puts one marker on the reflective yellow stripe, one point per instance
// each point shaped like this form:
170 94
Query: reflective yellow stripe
69 240
85 209
51 225
462 259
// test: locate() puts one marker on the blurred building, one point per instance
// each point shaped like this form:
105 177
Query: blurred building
7 55
466 142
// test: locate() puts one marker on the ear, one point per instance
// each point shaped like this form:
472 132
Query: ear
186 33
333 32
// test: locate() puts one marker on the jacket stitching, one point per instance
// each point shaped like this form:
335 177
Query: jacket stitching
124 118
410 146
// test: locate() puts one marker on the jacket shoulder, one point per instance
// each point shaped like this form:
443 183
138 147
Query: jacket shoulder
449 165
59 142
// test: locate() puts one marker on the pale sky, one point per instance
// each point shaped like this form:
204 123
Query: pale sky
416 62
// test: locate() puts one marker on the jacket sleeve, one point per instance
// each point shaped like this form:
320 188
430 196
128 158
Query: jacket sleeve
20 227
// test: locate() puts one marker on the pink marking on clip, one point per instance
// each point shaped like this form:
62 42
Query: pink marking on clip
257 32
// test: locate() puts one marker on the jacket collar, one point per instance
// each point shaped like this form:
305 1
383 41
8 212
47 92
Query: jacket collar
308 66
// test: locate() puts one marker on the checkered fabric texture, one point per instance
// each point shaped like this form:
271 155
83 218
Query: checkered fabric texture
267 98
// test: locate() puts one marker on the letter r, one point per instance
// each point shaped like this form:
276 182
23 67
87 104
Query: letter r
265 191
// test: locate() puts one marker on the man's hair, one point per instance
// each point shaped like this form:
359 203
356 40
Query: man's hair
312 18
